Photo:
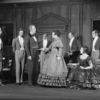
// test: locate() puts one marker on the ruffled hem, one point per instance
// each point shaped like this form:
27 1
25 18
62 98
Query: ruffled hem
85 84
52 81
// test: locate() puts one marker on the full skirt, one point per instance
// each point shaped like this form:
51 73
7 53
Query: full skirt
53 72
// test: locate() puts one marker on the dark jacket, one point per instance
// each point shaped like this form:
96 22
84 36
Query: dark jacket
76 45
1 51
97 45
30 45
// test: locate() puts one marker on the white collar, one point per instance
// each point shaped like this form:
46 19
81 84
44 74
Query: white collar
35 39
96 38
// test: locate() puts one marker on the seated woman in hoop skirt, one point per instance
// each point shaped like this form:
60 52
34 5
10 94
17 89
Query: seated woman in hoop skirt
54 69
86 75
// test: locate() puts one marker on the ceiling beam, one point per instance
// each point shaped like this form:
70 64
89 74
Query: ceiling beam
23 1
29 1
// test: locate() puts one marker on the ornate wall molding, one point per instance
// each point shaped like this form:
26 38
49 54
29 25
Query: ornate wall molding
50 22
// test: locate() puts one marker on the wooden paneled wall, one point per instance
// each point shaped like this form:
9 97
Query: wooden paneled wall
79 15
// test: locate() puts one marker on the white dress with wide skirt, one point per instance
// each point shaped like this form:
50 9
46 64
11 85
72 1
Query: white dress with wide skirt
54 69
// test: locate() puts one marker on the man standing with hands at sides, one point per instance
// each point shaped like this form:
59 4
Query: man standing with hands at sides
95 46
1 46
18 49
31 44
74 48
73 54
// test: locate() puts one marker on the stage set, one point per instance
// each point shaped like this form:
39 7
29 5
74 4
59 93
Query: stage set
78 16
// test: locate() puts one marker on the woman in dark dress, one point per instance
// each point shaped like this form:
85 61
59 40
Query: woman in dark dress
86 75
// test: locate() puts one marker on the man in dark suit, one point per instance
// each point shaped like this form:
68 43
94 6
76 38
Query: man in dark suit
95 46
31 46
74 48
72 55
45 42
1 48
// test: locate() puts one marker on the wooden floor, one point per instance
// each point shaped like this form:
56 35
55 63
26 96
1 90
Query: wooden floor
12 91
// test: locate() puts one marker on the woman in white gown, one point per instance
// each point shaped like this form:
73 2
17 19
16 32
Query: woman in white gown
54 70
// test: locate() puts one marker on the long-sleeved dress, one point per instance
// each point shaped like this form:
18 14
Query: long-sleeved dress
54 70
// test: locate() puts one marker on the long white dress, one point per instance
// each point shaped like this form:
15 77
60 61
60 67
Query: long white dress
54 70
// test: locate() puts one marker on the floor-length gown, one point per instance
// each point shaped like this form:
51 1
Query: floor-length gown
54 71
86 78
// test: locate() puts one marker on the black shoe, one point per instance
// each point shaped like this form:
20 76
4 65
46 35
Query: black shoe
18 83
34 84
2 84
93 88
30 84
21 83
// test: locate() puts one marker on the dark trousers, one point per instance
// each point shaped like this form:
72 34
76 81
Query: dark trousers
72 58
33 69
1 66
71 73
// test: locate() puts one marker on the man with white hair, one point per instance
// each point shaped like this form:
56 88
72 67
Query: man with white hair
31 44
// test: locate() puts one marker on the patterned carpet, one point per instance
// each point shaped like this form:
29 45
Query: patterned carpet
14 92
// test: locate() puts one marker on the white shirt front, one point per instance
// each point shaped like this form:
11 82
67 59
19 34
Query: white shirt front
0 43
45 43
35 39
71 41
21 41
94 43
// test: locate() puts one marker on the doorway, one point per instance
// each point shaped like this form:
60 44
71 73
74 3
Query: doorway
96 25
8 55
7 36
